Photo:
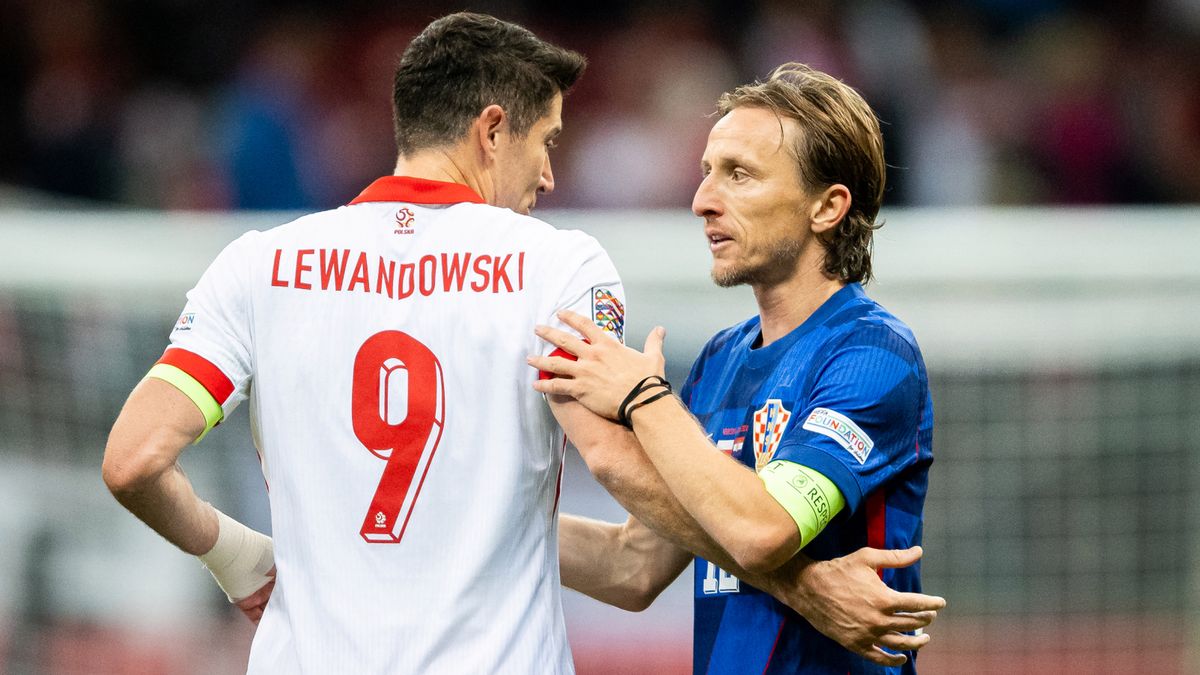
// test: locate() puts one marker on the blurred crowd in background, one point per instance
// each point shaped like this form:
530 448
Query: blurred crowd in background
268 104
265 104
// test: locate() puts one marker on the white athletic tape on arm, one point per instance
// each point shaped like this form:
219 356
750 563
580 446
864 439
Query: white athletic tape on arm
240 559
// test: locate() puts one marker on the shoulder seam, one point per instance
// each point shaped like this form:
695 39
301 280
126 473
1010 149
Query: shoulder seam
912 350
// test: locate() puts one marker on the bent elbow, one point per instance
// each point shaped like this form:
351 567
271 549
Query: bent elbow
756 563
764 554
634 603
126 473
601 468
649 591
642 594
119 478
604 461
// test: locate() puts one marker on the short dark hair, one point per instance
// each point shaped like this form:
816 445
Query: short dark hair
839 142
464 62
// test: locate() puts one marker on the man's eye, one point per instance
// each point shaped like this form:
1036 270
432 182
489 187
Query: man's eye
550 145
739 175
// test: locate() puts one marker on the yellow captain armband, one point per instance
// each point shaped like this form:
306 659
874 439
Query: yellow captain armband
811 499
208 405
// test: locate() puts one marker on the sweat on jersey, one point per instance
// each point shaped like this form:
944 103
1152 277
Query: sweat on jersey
846 394
413 472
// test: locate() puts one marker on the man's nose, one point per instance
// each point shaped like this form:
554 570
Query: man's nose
546 182
705 202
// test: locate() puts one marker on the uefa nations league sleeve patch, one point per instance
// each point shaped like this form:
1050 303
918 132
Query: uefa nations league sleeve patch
839 427
185 322
608 312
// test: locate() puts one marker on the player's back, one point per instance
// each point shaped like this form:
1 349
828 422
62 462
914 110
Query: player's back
413 473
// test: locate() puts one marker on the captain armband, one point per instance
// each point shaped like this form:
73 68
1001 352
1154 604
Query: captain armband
811 499
213 414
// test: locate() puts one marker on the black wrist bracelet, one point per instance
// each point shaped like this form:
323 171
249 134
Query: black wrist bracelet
639 389
629 411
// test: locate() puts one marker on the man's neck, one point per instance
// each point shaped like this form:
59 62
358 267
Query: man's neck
444 165
782 307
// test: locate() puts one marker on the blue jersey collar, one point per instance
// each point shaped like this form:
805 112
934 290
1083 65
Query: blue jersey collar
770 355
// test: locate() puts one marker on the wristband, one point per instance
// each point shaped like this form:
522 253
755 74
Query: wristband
647 401
241 558
640 388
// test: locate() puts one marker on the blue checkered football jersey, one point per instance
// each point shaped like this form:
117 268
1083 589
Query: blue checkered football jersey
845 393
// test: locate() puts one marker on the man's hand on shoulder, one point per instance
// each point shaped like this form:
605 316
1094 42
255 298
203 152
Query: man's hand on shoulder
604 372
845 600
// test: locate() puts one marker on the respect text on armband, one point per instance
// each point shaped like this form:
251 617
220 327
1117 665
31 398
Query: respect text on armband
357 272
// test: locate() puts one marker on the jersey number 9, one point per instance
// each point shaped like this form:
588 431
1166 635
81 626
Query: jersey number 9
398 407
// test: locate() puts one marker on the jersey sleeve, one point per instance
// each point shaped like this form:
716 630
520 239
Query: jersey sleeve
697 369
592 288
859 427
211 341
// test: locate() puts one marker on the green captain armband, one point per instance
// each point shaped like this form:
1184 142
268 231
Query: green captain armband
811 499
208 405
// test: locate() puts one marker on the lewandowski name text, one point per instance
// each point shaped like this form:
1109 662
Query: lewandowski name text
342 269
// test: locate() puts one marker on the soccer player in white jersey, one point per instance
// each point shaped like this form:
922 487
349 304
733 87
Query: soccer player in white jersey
413 476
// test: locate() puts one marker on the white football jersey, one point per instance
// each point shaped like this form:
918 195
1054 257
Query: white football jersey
413 472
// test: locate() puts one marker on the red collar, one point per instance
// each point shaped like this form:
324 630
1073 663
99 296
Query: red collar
417 191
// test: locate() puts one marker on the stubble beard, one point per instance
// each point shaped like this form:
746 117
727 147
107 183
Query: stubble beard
779 265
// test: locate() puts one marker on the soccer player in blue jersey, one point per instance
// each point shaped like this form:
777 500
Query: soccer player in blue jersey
806 428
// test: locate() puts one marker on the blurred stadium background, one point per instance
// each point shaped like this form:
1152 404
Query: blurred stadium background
1042 239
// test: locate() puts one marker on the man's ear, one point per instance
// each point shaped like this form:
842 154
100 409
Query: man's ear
490 123
829 208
